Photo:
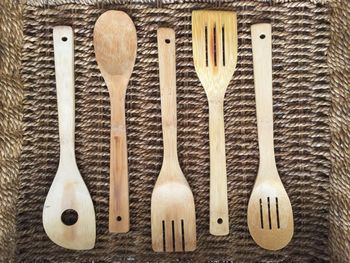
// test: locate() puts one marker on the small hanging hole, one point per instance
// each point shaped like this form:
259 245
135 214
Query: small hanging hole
167 41
262 36
64 39
220 221
69 217
119 218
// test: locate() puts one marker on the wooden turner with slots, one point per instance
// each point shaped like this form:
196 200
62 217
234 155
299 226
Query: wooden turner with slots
270 215
173 218
214 38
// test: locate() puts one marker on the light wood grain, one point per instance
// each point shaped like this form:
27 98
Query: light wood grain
214 38
172 204
68 190
270 215
115 43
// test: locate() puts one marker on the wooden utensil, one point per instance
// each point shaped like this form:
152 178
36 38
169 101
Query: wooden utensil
115 43
214 40
270 215
68 214
173 218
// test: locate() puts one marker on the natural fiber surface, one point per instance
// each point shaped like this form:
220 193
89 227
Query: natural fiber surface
10 122
339 62
301 105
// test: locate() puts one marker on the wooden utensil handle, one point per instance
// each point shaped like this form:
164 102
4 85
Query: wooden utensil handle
64 67
262 63
219 222
167 79
119 221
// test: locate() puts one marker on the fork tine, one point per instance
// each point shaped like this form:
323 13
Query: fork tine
190 234
198 39
157 237
169 247
230 38
211 43
178 235
219 44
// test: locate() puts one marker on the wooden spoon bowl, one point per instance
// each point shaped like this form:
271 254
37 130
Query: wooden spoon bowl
270 215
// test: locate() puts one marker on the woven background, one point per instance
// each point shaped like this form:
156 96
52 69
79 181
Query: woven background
301 104
301 96
11 96
339 63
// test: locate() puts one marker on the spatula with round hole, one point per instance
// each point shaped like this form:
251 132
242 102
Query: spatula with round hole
115 43
173 219
214 41
68 214
270 215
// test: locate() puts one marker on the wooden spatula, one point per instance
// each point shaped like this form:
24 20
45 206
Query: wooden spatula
270 215
214 40
115 43
173 218
68 214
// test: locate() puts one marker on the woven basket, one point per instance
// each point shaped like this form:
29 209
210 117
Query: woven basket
312 126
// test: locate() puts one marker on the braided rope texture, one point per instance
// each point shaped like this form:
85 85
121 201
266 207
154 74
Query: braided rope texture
11 97
339 63
302 135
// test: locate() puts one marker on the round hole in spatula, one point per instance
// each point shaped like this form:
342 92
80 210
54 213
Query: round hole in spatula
262 36
220 221
119 218
69 217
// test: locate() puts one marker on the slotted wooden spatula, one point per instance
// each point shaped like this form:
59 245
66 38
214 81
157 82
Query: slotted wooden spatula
68 214
214 40
173 218
270 215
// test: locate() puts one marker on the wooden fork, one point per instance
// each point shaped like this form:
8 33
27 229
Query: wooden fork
173 218
214 40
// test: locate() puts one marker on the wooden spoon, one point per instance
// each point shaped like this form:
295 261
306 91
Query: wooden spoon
270 215
214 40
115 43
68 214
173 217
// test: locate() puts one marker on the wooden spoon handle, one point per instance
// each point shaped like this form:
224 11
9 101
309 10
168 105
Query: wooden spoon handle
119 221
262 63
167 78
219 221
64 67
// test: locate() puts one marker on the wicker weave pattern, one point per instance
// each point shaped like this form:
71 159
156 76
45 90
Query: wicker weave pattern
301 104
10 122
339 58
